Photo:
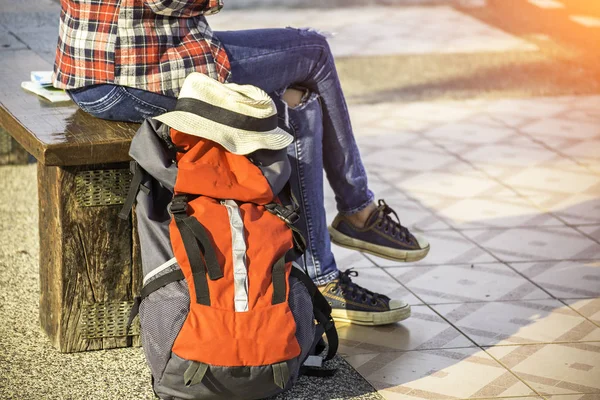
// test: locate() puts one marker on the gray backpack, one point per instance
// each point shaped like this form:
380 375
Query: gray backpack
207 332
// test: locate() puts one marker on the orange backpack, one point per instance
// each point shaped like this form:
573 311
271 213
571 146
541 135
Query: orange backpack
225 311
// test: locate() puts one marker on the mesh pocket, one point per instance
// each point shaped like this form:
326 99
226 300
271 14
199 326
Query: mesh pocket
162 315
302 309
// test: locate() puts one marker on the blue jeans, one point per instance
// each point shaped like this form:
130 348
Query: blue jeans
274 59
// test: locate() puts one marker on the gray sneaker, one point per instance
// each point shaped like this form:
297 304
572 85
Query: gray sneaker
381 236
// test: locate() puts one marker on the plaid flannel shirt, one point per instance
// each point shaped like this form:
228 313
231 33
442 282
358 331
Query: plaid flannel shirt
146 44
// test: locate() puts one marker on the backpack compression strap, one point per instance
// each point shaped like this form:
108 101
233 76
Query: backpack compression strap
290 215
278 276
153 286
193 232
322 311
134 187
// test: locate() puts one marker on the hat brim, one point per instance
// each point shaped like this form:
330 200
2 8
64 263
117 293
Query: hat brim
234 140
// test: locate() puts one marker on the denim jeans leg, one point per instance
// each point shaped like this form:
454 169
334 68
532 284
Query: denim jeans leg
306 154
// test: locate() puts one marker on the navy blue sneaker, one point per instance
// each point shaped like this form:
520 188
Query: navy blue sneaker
382 236
357 305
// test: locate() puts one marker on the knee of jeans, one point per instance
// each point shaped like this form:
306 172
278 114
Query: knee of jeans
318 36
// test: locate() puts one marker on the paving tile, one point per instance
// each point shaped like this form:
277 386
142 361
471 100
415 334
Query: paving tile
565 162
439 374
519 140
560 127
564 279
591 103
554 180
539 108
495 212
466 283
369 117
455 148
469 131
520 322
578 396
591 230
380 188
588 149
574 209
420 159
402 118
417 217
31 30
500 154
589 308
432 202
553 368
437 112
531 244
447 247
540 198
422 331
581 115
369 135
593 165
9 42
457 184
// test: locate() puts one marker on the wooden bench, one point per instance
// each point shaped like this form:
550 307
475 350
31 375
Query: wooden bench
90 267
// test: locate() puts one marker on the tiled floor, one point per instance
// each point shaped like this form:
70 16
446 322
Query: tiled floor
507 304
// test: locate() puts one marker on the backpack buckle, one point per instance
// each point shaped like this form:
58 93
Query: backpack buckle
178 205
290 217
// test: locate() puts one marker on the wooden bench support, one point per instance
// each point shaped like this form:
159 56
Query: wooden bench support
90 267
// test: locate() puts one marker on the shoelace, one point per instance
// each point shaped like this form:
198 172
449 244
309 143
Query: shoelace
353 290
388 224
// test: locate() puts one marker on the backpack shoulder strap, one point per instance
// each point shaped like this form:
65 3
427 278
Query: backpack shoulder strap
196 241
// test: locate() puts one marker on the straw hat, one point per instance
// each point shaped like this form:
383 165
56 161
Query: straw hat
241 118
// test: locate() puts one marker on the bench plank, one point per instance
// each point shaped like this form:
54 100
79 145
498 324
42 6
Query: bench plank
55 134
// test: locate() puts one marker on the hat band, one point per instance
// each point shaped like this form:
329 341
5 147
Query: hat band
226 117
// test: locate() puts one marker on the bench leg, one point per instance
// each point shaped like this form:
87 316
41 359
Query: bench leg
90 267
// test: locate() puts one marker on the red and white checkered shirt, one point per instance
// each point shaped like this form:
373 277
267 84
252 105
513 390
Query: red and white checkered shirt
146 44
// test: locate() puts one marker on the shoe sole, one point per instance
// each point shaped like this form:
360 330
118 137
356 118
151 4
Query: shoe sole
371 318
348 242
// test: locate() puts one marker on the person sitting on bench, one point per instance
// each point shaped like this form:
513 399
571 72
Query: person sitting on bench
126 61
